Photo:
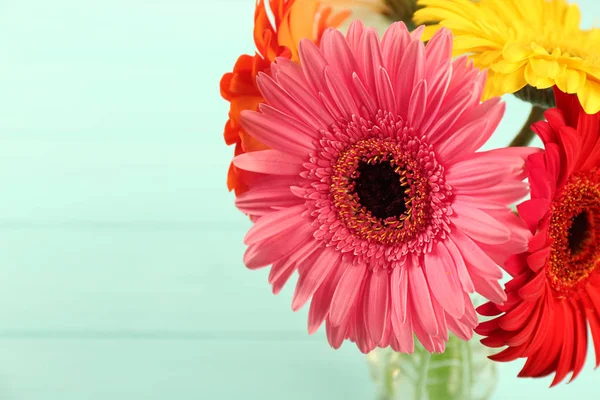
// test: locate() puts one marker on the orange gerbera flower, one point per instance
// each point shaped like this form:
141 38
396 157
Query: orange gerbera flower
293 20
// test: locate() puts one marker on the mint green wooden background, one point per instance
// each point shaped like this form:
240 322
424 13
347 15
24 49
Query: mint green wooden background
120 263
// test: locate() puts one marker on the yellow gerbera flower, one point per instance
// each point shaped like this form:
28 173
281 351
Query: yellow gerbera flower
523 42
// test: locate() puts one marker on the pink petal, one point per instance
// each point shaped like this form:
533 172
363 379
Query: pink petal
260 202
363 94
461 268
316 272
492 111
440 317
321 301
479 225
371 60
399 293
507 192
291 101
270 250
420 299
270 162
460 329
425 338
313 64
417 105
478 263
337 52
274 223
385 92
477 173
360 332
476 130
309 106
377 305
443 280
262 128
292 124
345 293
393 45
489 288
342 98
280 273
354 34
480 202
439 132
438 53
403 333
290 68
410 72
336 333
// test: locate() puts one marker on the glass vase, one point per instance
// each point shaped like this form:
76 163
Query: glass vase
462 372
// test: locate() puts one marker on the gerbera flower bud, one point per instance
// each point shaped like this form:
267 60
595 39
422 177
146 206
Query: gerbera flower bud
292 20
555 291
373 189
525 45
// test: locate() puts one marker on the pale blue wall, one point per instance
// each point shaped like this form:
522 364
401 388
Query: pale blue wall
121 251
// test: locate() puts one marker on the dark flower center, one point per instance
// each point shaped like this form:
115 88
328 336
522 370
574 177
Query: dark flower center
380 190
579 232
574 222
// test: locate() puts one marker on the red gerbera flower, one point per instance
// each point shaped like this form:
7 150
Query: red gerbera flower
555 291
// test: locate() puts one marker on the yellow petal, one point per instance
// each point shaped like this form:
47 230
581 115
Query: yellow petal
546 68
535 80
492 87
513 81
488 58
429 31
505 67
572 18
514 52
471 44
589 97
570 81
537 49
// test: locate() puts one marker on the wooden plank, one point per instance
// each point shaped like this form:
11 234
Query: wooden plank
155 369
137 278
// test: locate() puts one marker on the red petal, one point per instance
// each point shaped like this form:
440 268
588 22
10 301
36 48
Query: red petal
517 317
566 352
525 334
516 264
508 354
580 341
488 309
532 211
538 259
487 328
534 288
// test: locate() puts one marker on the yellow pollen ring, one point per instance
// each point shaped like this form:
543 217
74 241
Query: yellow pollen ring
355 216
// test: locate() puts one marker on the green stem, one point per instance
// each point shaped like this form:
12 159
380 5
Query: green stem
389 381
423 375
525 135
468 373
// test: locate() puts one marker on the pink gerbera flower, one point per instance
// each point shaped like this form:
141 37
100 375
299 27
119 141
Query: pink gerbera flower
373 191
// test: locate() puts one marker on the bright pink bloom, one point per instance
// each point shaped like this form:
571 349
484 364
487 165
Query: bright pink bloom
373 191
